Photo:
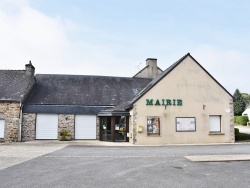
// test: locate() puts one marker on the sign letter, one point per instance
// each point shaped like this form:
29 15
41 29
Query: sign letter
149 101
169 102
179 102
157 103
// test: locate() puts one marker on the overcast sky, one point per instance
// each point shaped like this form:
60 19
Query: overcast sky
115 37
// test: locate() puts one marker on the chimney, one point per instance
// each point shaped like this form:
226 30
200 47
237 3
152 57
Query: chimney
152 67
150 71
151 62
30 69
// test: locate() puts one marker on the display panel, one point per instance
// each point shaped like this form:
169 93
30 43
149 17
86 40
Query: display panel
185 124
153 126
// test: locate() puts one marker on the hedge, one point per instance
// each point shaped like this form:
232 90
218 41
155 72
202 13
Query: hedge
236 131
240 136
242 120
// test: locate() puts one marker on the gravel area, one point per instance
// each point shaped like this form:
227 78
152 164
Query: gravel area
16 153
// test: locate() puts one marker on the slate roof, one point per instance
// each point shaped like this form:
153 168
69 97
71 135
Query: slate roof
63 109
84 90
15 85
162 75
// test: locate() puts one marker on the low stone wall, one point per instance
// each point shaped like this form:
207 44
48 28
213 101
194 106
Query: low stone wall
28 127
10 112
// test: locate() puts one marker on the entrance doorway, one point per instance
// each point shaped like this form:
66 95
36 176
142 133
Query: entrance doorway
120 129
106 129
114 128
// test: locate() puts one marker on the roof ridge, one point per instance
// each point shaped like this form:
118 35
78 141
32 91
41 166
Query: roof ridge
11 70
100 76
163 74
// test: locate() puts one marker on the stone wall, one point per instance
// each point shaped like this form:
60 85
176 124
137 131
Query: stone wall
130 128
10 112
134 131
28 127
67 121
231 107
97 128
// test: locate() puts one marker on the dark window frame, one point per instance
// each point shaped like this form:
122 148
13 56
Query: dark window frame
187 129
152 126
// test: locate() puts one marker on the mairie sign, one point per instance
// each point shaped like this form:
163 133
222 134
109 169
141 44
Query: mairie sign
164 102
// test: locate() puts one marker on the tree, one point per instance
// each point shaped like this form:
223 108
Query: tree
246 97
239 104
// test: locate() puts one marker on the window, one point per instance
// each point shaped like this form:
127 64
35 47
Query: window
185 124
215 123
153 126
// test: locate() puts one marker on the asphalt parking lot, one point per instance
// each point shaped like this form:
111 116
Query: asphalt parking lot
63 165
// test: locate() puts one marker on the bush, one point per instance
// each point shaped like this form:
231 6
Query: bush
235 119
242 120
64 134
242 136
236 131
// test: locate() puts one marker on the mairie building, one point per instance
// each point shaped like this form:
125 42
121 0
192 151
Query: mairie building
183 104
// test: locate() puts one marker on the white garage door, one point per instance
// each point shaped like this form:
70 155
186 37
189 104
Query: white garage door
85 127
2 124
46 126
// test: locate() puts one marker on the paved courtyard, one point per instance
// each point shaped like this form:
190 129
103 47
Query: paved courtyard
79 165
12 154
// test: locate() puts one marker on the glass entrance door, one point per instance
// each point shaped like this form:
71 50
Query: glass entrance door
120 129
114 128
106 129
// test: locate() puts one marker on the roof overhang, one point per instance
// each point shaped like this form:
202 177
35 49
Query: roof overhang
10 100
63 109
105 113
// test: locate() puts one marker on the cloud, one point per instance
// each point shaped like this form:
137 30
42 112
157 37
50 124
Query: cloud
229 67
29 34
58 45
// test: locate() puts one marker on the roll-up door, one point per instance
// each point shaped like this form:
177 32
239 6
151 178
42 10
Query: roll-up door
2 125
47 126
85 127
